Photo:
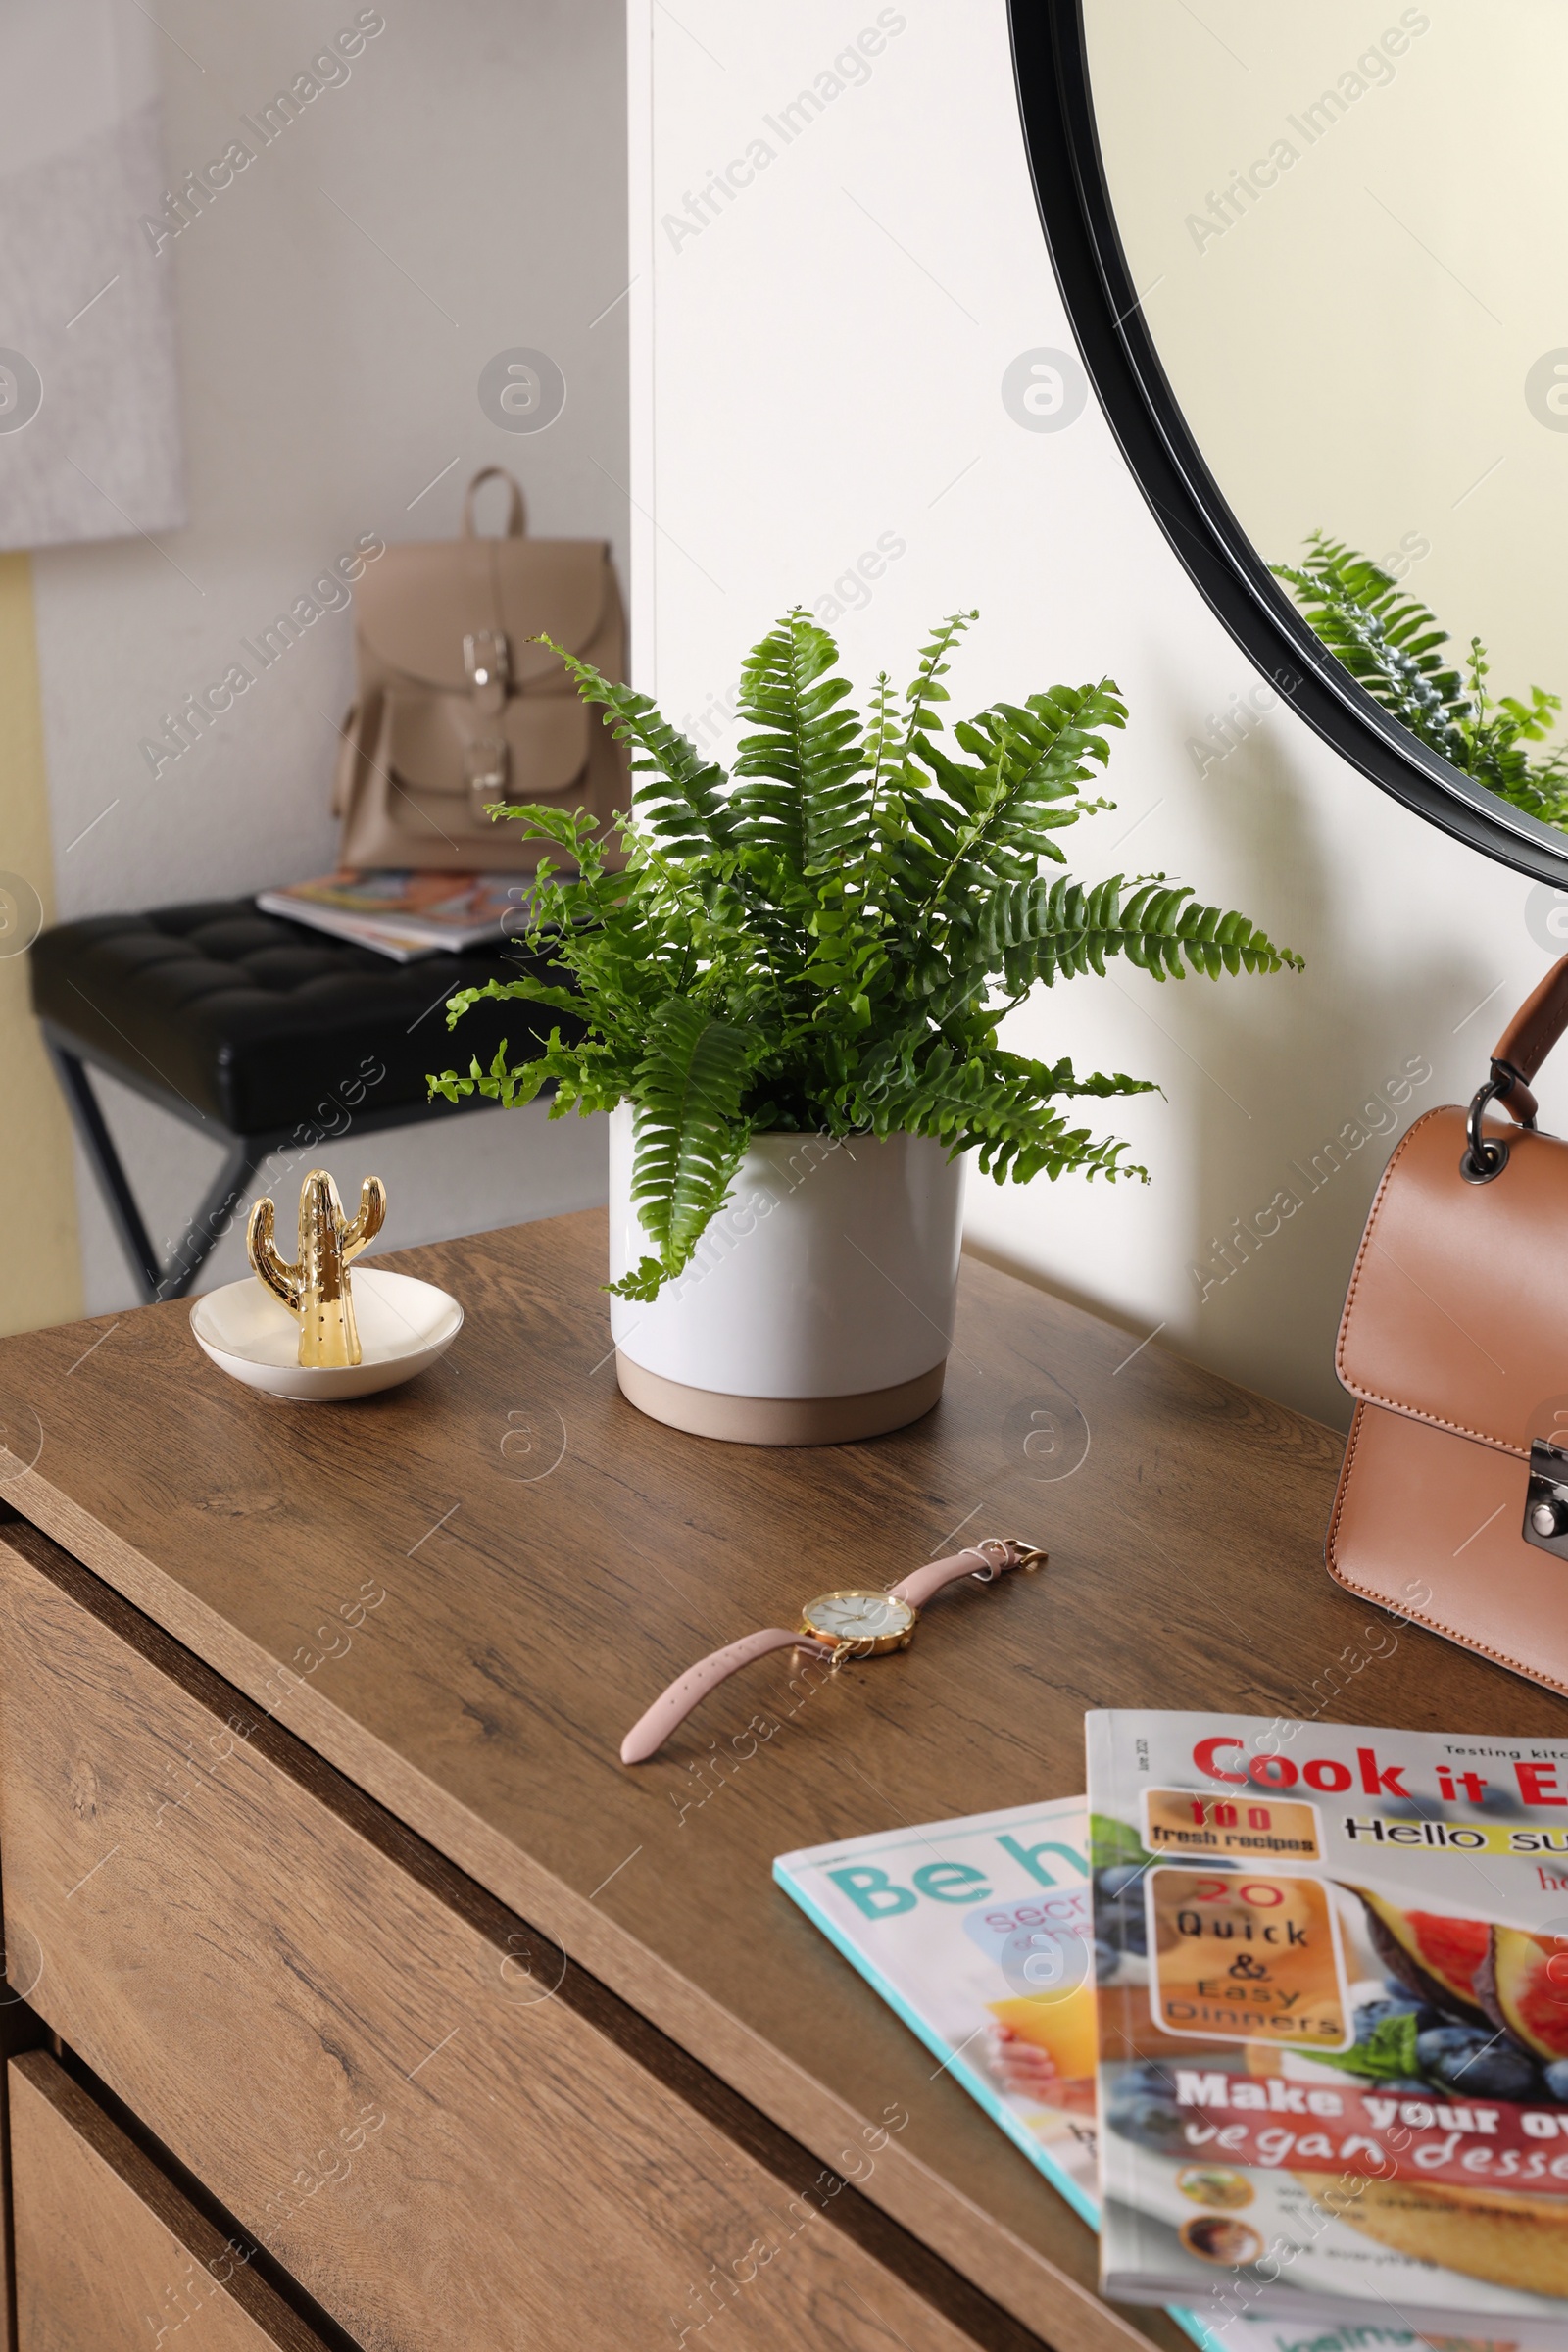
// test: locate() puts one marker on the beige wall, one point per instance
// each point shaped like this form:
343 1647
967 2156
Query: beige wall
1349 334
41 1276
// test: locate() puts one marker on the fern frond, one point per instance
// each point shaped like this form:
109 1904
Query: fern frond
689 1128
1000 814
684 801
572 829
534 992
806 794
502 1083
997 1105
925 689
882 744
1045 931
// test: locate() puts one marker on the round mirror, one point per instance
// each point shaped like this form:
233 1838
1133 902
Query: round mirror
1315 261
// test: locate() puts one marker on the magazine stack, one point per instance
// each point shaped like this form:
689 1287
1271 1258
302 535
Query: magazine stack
1283 2011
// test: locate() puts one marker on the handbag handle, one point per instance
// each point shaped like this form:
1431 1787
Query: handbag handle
516 521
1527 1041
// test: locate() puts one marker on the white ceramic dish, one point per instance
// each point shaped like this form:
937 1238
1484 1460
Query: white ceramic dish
404 1326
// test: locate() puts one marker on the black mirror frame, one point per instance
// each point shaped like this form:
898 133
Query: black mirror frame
1051 69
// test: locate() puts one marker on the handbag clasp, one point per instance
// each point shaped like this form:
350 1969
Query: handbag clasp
1547 1499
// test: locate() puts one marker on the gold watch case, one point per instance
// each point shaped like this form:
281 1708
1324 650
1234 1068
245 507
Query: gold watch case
865 1623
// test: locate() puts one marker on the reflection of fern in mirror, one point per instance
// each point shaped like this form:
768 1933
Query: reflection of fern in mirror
1389 640
831 941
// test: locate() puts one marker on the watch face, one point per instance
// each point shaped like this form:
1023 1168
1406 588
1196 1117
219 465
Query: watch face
858 1617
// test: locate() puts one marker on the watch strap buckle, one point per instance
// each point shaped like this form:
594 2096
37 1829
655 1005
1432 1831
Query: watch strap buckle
1014 1553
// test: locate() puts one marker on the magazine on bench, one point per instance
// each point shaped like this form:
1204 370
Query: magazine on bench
977 1935
1332 2003
406 915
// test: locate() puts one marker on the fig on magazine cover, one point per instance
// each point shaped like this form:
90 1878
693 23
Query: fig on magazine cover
1523 1986
1436 1957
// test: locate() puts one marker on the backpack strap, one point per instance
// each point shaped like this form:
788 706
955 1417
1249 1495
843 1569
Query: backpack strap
356 731
517 519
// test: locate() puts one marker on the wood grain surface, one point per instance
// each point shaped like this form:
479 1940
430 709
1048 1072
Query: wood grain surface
20 2029
109 2254
443 2131
550 1558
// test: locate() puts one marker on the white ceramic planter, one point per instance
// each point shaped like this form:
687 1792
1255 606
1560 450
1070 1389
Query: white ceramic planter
820 1305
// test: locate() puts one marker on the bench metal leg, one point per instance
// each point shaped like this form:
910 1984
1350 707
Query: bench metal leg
154 1279
211 1220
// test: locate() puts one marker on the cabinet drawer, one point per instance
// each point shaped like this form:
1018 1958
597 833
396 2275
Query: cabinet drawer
442 2129
108 2252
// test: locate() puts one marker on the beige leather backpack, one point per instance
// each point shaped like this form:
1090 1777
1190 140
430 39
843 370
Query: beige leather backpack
458 709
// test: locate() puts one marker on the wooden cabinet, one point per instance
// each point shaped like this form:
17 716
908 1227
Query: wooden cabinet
316 1846
108 2256
444 2131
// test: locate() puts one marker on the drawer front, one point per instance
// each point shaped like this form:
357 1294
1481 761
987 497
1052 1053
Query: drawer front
108 2252
444 2131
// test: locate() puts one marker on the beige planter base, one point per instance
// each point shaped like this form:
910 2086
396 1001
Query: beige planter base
778 1420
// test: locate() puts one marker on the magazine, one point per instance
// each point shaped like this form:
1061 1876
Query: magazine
406 915
1333 2000
977 1933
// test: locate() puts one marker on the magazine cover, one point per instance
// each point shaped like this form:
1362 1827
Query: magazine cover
404 913
1333 2000
976 1933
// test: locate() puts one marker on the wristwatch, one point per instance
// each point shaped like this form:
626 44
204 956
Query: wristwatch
853 1623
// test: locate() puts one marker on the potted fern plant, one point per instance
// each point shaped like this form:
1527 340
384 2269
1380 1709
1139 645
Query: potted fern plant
791 983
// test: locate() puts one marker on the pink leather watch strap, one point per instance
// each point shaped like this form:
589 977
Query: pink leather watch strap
984 1561
672 1707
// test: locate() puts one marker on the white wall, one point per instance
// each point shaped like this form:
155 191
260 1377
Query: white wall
461 192
819 363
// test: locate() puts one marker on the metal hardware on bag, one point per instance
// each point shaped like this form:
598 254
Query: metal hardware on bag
484 760
1485 1156
487 658
1547 1499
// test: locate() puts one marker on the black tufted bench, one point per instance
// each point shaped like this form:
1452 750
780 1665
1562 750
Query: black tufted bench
264 1034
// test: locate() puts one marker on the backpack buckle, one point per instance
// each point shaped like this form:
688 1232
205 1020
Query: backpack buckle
487 661
485 763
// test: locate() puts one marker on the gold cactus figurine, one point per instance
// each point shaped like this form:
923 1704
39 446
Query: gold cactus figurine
316 1287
